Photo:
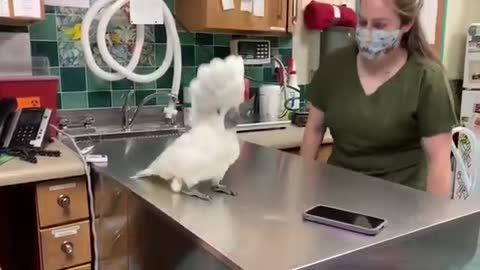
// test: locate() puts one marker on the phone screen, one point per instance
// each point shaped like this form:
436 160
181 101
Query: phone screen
345 217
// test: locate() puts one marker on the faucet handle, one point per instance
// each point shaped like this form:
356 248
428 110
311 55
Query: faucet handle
62 123
88 121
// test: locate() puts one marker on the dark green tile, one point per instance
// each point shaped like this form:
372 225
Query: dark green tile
273 41
164 99
286 54
187 38
49 9
74 100
165 81
73 79
47 49
221 40
141 94
145 70
203 54
170 4
188 73
160 34
59 101
204 39
100 99
268 75
221 52
97 84
285 42
188 55
122 85
55 71
256 73
118 98
46 30
160 50
14 29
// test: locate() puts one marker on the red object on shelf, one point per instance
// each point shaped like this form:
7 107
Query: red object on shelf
318 16
246 93
31 90
292 68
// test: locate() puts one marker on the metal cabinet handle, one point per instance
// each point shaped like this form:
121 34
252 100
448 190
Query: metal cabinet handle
64 201
295 12
67 247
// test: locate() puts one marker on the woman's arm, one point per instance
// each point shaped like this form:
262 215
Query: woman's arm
439 178
313 136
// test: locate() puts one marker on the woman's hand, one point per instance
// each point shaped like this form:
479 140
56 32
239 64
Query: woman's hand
439 178
313 136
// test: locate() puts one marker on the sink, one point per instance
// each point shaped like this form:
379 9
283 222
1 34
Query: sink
102 134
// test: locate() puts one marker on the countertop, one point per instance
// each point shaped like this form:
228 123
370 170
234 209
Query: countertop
262 227
288 138
20 172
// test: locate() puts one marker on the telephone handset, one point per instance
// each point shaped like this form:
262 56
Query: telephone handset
24 126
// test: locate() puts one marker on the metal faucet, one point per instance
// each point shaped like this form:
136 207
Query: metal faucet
126 110
127 121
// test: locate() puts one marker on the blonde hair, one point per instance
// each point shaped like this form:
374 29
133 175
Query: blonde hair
414 41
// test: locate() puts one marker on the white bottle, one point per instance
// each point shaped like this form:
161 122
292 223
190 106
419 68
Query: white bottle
292 82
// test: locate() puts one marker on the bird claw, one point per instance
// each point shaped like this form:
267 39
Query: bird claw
197 194
224 189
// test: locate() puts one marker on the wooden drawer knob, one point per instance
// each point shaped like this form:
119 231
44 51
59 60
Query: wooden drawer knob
67 247
64 201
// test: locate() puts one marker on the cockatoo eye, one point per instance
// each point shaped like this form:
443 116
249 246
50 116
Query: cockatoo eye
218 111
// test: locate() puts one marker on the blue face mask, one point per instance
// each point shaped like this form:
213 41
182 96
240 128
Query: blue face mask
373 44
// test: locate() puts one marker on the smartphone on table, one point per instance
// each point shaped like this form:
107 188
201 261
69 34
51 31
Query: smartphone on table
344 219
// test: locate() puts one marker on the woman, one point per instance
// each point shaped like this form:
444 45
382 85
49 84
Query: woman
386 101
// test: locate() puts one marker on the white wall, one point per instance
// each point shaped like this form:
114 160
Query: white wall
306 44
460 14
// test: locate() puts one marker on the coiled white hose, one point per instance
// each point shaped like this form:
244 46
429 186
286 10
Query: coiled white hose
173 49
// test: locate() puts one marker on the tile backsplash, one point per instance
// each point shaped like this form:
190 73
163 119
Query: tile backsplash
58 40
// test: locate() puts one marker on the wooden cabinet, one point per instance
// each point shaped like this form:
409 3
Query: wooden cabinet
65 246
62 201
208 15
63 224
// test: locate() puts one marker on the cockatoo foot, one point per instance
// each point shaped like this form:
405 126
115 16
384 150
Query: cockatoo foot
224 189
197 194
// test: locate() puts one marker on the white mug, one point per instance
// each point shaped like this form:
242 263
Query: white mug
270 99
466 165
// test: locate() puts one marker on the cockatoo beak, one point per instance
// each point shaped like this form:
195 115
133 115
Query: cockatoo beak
232 118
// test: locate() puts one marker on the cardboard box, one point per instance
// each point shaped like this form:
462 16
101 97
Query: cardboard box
21 12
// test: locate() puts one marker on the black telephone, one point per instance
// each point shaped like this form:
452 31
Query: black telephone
23 127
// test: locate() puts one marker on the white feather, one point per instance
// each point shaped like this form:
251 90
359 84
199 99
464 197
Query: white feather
206 152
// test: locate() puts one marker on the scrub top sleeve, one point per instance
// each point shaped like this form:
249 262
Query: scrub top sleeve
317 90
434 112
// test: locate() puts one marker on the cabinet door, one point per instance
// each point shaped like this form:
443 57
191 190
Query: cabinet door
274 19
292 15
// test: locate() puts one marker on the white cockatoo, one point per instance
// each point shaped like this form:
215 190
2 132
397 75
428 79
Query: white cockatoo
211 146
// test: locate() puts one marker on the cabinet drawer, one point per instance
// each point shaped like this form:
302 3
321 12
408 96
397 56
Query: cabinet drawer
62 201
112 237
83 267
65 246
110 199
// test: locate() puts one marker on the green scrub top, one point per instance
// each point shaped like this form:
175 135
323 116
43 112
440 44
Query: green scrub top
381 134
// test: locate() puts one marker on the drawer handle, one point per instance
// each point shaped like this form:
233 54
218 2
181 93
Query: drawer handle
67 247
64 201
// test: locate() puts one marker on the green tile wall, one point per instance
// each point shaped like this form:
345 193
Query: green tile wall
58 39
